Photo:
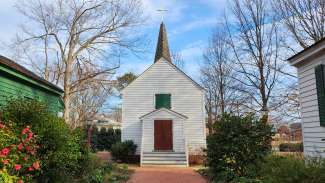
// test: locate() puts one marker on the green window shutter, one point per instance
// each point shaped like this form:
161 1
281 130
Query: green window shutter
163 100
320 86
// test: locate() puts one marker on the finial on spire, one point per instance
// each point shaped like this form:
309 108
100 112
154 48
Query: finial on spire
162 11
162 49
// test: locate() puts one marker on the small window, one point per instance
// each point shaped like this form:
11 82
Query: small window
163 100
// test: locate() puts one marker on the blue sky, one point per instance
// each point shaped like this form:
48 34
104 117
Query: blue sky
189 24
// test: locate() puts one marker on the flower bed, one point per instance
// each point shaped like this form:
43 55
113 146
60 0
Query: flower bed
18 161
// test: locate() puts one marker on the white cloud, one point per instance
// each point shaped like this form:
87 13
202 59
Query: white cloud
196 24
192 55
136 67
175 10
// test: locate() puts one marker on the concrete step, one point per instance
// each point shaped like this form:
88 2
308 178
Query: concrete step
160 154
164 163
164 158
163 152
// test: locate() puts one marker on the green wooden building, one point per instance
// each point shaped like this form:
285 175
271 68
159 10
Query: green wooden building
16 81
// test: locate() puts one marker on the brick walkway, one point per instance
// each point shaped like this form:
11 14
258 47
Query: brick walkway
165 175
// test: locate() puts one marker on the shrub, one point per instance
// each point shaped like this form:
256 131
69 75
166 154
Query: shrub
96 171
236 145
62 150
290 169
291 147
93 170
18 160
104 139
123 150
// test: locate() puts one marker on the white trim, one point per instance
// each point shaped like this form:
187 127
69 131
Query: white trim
163 109
307 53
142 139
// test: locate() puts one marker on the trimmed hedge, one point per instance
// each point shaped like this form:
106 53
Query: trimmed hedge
104 139
291 147
122 151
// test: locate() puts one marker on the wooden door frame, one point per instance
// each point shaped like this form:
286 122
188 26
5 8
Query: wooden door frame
172 135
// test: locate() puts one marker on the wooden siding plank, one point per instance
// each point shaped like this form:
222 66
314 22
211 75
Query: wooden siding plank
187 99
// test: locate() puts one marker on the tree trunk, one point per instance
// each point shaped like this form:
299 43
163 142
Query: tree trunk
66 97
210 119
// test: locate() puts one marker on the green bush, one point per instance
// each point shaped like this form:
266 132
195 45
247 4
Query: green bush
290 169
291 147
97 171
62 150
236 146
123 150
104 139
93 170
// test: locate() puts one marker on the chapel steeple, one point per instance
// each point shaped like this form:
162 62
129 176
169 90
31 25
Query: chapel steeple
162 49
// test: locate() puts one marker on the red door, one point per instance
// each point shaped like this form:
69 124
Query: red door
163 135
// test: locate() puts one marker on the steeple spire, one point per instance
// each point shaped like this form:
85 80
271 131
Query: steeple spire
162 49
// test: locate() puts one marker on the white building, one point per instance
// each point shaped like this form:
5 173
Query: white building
311 72
163 112
104 121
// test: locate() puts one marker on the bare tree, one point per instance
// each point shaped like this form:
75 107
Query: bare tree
178 60
305 19
80 32
217 78
116 113
256 52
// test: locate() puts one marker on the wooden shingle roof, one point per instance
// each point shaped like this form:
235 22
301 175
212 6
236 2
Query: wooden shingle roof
162 49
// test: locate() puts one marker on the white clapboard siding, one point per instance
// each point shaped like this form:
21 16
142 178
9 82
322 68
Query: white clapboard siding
186 98
313 133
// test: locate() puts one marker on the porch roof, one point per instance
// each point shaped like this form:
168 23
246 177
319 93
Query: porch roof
166 110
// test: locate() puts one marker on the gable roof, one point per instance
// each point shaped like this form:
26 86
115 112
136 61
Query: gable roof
163 109
162 53
317 47
22 70
174 66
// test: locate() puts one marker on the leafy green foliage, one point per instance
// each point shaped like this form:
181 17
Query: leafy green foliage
123 150
290 169
104 139
97 171
118 174
291 147
62 150
236 145
125 80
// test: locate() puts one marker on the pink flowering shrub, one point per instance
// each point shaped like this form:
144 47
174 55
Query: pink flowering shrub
18 161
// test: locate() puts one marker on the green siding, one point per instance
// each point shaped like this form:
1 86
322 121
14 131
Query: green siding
163 100
14 87
320 86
